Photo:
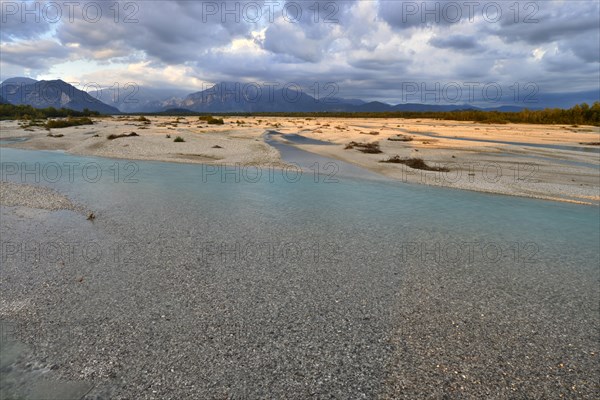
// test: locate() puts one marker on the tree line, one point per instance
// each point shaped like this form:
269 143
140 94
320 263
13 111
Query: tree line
27 112
580 114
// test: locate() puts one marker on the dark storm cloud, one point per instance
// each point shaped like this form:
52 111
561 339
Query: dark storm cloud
287 39
411 14
457 42
586 48
20 20
315 13
172 32
376 64
549 21
368 47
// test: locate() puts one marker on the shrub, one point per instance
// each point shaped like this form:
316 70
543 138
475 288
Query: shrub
113 136
216 121
64 123
400 138
33 122
415 163
179 139
211 120
369 148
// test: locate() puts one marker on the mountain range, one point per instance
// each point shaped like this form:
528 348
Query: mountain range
54 93
224 97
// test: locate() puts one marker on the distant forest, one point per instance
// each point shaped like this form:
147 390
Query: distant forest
580 114
26 112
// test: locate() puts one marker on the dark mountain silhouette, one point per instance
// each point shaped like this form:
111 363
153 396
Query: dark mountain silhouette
235 97
11 86
412 107
55 93
352 102
224 97
374 106
175 111
16 81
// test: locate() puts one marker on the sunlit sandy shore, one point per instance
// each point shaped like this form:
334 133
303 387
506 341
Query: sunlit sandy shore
554 162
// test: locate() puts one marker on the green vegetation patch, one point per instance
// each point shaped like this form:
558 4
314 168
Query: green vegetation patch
26 112
211 120
70 121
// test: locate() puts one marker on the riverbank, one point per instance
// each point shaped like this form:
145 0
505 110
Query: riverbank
554 162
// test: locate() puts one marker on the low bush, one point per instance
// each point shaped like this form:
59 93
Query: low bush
369 148
211 120
415 163
400 138
113 136
64 123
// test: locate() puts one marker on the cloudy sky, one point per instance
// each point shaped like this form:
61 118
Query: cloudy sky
393 51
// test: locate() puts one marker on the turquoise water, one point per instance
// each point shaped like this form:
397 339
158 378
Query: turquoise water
381 209
299 139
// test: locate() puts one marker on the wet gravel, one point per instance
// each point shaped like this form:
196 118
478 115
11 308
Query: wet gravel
25 195
167 301
163 323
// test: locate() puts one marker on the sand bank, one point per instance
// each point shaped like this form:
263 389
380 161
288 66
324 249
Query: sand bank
554 162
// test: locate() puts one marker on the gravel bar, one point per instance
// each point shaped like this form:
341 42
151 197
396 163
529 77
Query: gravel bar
24 195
